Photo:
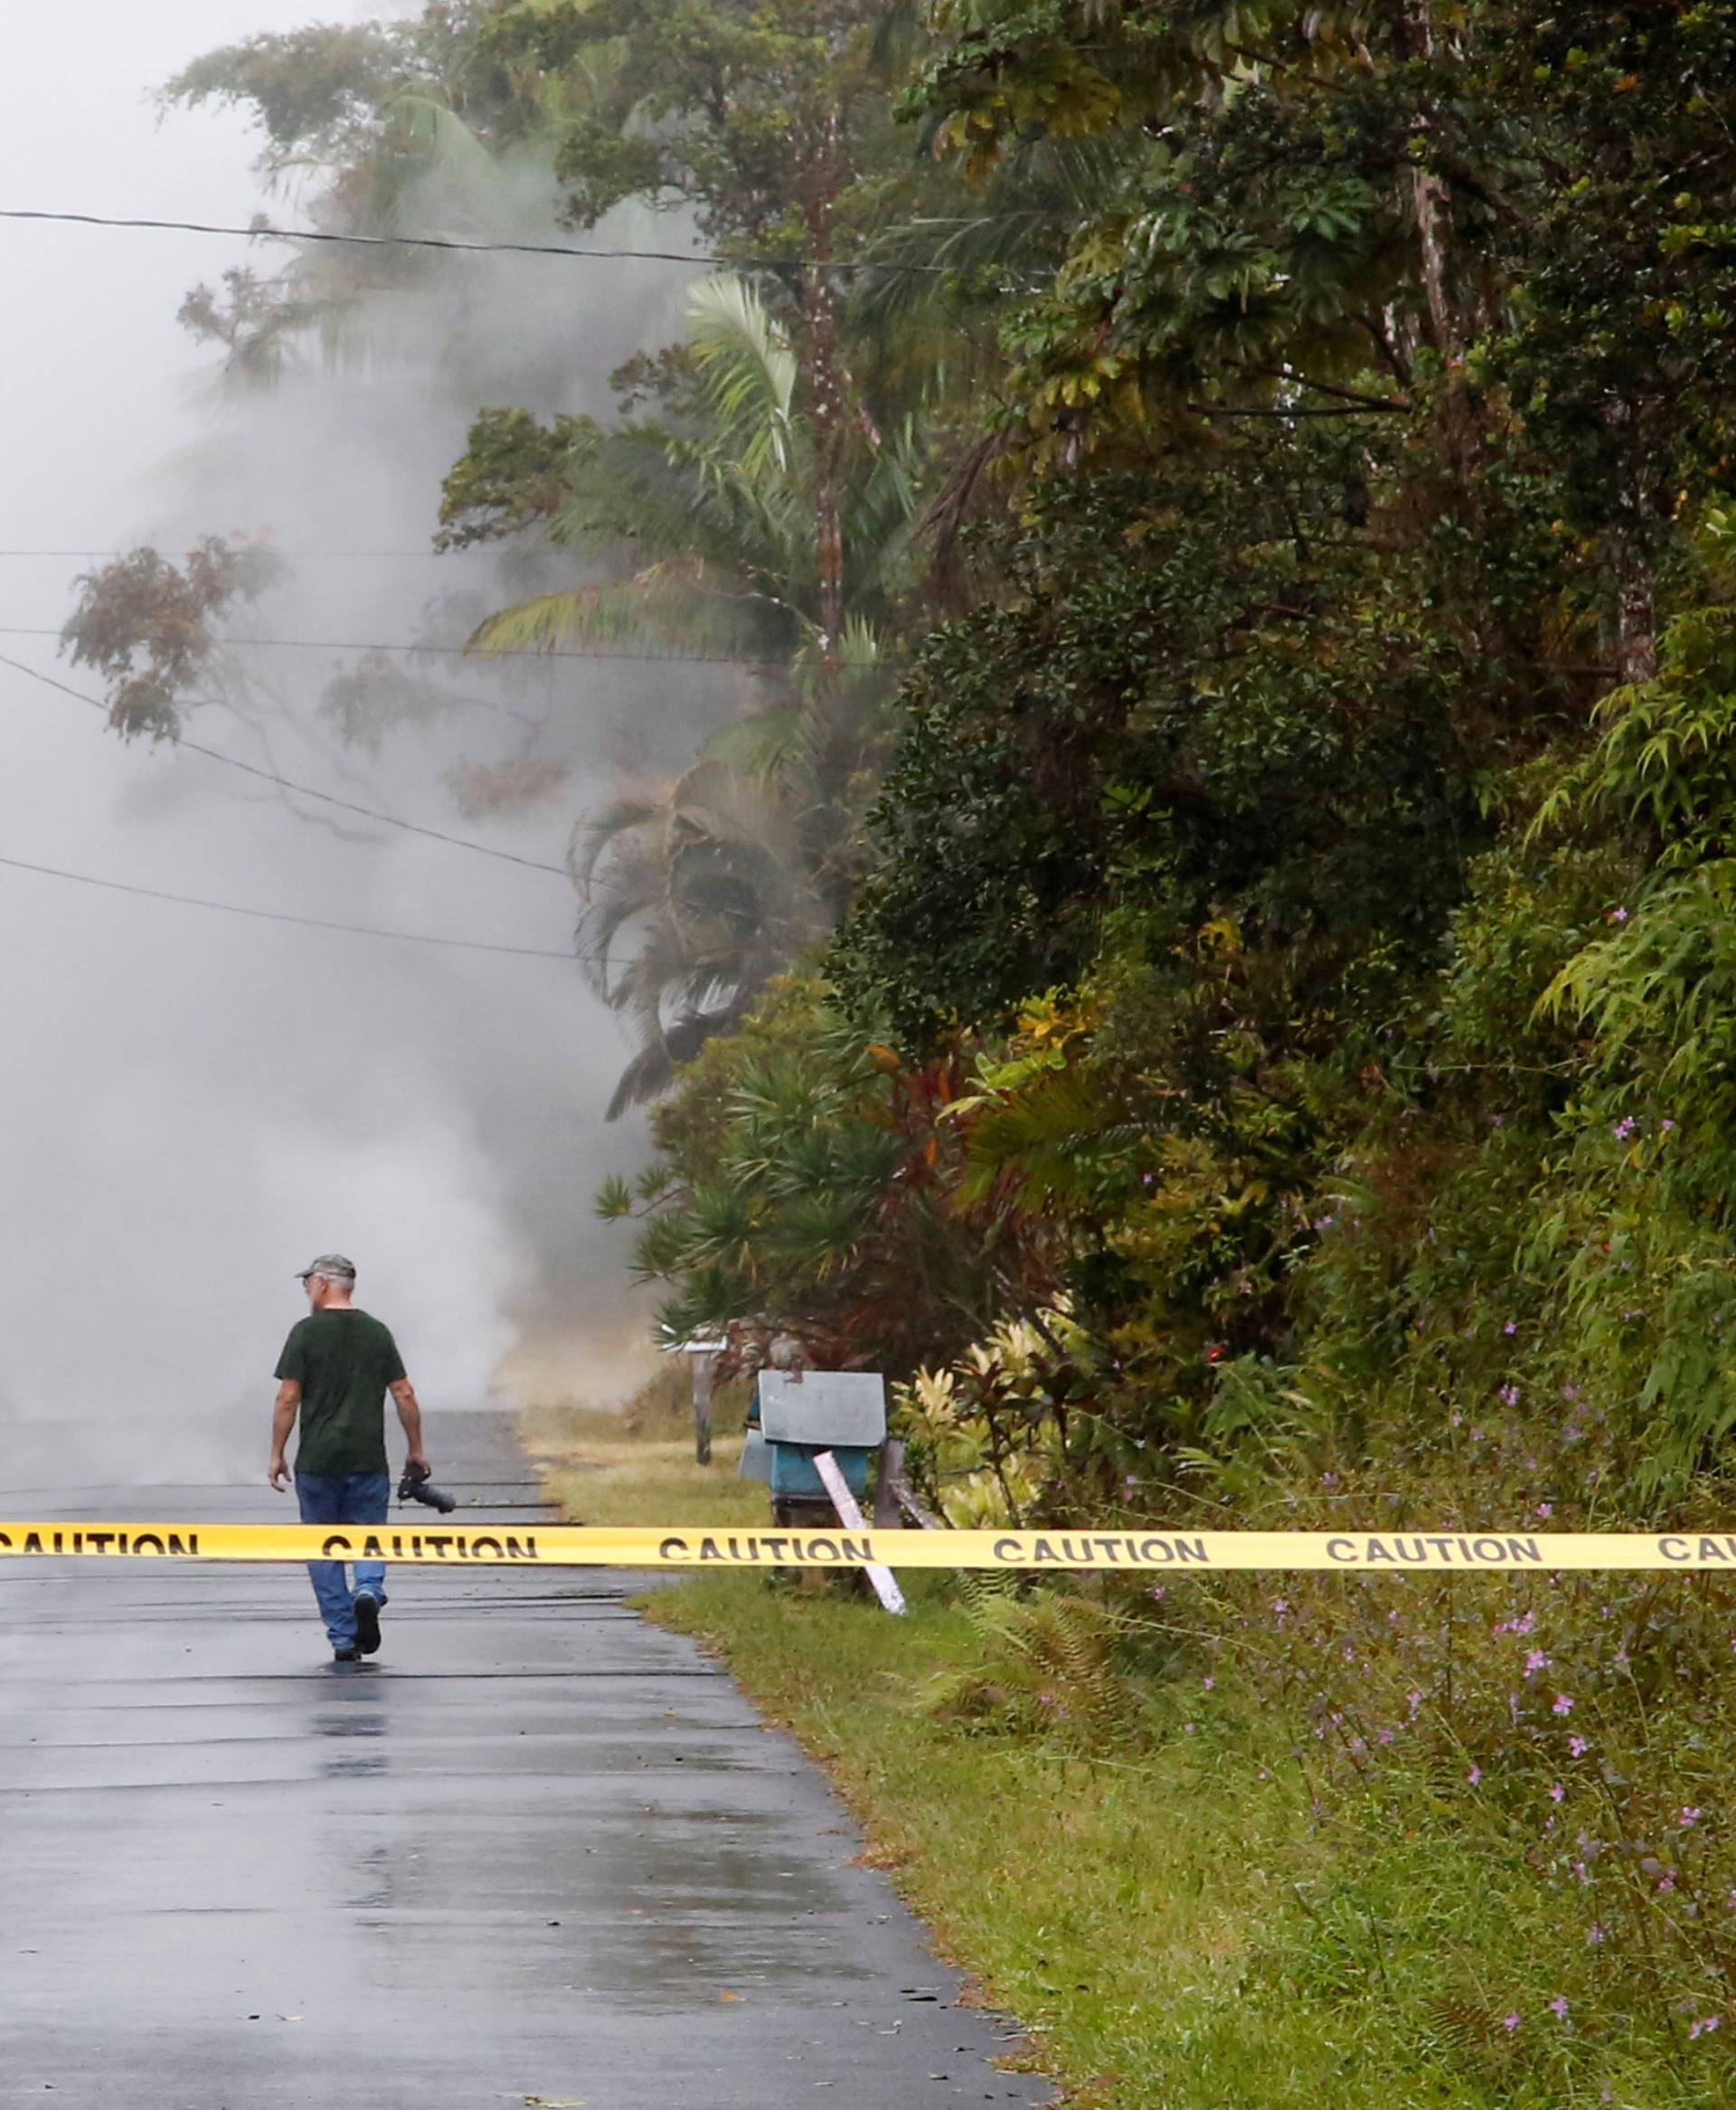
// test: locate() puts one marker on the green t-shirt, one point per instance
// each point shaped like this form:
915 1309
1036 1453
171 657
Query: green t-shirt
343 1361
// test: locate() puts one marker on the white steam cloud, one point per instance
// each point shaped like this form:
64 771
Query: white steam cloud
192 1104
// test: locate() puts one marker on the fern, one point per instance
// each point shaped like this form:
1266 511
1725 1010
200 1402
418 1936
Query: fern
1047 1664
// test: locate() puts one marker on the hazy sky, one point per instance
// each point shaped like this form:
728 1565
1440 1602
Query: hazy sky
190 1105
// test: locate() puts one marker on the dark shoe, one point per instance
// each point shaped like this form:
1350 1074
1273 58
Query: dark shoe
367 1623
346 1655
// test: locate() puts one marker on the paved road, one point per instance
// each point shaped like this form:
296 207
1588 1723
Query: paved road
538 1851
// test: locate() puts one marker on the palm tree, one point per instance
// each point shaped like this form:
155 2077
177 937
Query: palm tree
696 894
721 495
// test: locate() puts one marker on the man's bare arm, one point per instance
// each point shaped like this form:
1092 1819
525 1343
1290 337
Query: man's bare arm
283 1419
403 1397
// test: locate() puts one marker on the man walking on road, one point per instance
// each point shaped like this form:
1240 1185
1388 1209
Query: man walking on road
335 1370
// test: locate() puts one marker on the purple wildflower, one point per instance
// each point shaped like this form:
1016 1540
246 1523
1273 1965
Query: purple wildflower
1558 2006
1510 2021
1556 1791
1535 1660
1687 1817
1578 1746
1704 2026
1562 1704
1476 1774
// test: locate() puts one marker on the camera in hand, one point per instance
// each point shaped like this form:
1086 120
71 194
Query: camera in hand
416 1487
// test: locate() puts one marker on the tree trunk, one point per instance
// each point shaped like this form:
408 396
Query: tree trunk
1452 321
1629 541
825 388
1636 608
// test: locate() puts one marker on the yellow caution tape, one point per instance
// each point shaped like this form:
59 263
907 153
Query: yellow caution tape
702 1545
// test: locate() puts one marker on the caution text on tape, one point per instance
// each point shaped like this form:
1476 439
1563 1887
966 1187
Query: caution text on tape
707 1547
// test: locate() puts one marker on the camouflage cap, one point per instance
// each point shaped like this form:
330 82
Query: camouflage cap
332 1265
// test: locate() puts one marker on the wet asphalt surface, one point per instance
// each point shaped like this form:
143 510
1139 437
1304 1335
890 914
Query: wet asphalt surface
538 1851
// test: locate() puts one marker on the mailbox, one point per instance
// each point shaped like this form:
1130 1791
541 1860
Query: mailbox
827 1409
840 1411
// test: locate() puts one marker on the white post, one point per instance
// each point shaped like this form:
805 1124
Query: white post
851 1517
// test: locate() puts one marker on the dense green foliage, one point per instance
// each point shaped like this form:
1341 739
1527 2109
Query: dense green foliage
1314 840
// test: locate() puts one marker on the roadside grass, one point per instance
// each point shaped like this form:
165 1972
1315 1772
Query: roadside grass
1169 1915
637 1466
1172 1923
614 1479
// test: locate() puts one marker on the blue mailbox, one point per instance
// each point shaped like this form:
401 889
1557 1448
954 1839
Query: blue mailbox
800 1412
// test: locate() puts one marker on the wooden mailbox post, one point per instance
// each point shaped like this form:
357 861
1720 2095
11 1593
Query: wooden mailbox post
704 1350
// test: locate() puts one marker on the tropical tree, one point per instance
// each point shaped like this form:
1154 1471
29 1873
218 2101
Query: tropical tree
714 493
807 1184
145 623
705 512
414 126
1504 224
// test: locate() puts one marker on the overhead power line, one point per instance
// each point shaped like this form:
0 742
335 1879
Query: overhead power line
262 229
231 762
266 915
483 657
299 556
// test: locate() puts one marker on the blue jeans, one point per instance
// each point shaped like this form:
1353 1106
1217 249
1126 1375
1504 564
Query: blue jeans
343 1498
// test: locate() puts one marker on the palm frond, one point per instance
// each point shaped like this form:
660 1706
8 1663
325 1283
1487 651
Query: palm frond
1047 1133
749 373
674 604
